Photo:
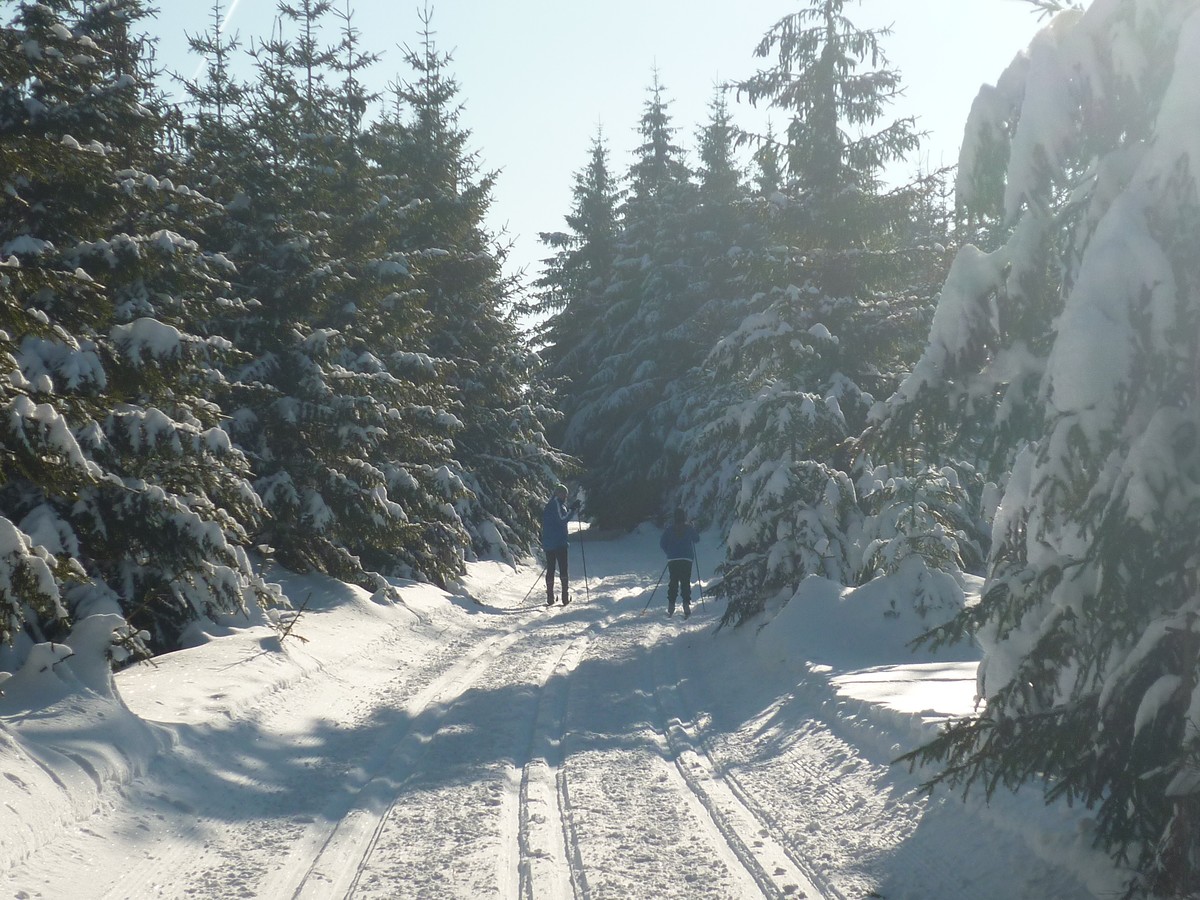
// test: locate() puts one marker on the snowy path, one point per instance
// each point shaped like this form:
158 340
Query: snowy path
565 781
509 751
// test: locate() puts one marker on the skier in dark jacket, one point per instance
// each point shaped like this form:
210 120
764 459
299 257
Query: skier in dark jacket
678 541
554 541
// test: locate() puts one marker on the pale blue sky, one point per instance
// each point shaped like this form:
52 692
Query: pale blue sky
538 76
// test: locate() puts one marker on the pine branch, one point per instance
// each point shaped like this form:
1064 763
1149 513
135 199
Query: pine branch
292 623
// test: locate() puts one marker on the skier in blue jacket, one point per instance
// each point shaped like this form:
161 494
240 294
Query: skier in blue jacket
678 541
554 541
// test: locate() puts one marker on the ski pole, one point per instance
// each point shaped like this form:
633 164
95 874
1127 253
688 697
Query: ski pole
535 584
656 584
586 590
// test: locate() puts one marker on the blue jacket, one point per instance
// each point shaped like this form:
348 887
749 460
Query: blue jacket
678 541
554 525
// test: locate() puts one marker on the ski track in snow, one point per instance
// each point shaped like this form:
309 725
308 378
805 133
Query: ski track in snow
434 838
569 753
775 866
549 864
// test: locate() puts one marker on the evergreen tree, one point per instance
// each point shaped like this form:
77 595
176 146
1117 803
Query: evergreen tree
218 97
828 319
500 453
725 229
729 233
570 292
338 404
768 177
720 178
116 471
1077 336
829 150
615 422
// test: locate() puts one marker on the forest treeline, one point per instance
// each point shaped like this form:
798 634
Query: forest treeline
269 323
255 325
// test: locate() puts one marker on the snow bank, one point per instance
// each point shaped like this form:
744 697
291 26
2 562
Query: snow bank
66 738
71 733
846 628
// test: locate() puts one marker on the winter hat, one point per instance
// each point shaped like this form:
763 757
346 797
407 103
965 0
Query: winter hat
560 489
680 517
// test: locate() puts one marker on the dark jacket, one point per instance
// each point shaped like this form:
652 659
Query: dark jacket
554 525
678 541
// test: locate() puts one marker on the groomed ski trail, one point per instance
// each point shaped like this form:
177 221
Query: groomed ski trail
514 751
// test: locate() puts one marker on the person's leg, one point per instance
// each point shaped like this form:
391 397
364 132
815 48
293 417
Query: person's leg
562 570
551 559
672 587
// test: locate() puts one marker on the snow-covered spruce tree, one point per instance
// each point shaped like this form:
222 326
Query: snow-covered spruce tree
728 230
500 454
339 406
214 100
372 219
569 294
580 283
615 420
1086 319
926 509
924 523
829 319
116 471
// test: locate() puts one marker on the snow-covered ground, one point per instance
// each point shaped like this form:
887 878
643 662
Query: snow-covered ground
476 745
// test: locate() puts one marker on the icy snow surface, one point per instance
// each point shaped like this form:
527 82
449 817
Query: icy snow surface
481 745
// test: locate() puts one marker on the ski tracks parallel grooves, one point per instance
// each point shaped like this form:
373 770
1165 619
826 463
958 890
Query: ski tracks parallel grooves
752 835
570 838
358 820
550 863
